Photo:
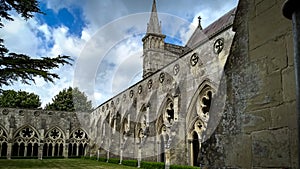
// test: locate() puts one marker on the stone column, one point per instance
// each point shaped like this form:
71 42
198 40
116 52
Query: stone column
121 155
77 149
191 161
40 151
66 150
139 157
158 151
9 149
107 155
167 158
25 150
53 150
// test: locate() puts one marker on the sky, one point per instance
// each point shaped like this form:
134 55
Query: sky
103 37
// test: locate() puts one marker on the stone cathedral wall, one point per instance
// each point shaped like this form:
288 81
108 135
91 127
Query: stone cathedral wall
133 124
259 128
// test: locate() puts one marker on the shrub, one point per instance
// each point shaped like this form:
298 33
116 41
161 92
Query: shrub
114 161
55 157
152 165
22 157
74 157
132 163
101 159
182 167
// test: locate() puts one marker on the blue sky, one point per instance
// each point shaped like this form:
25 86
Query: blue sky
104 39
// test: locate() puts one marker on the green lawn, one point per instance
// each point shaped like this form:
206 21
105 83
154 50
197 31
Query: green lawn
58 164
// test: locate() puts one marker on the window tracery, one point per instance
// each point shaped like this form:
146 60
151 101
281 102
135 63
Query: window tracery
78 142
26 142
54 141
3 142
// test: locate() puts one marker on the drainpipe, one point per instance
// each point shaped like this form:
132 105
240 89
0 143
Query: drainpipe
291 10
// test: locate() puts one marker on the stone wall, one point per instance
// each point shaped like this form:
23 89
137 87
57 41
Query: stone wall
39 133
134 124
259 123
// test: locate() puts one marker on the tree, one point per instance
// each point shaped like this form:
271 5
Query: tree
70 100
14 67
20 99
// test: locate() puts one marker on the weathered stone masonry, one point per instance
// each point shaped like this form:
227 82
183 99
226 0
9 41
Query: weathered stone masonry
35 133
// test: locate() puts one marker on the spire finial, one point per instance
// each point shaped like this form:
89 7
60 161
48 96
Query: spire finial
199 26
154 24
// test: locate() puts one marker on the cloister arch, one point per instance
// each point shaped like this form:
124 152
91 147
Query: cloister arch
54 142
3 142
78 144
197 120
26 142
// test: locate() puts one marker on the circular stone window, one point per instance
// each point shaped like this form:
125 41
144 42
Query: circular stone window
176 69
162 77
219 46
37 113
5 111
140 89
131 93
194 59
150 83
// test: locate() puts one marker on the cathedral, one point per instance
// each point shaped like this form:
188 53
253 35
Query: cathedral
226 99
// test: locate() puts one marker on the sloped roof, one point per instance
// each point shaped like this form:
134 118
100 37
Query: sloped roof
200 36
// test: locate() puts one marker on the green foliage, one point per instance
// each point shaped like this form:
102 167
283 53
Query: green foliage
54 157
26 8
13 66
22 157
152 165
144 164
58 164
132 163
114 161
70 100
20 99
182 167
102 160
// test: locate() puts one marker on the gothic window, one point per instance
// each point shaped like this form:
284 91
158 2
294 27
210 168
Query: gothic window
26 141
78 142
205 100
198 121
169 112
3 142
141 135
98 128
54 140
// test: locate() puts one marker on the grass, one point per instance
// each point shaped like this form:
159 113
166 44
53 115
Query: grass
58 164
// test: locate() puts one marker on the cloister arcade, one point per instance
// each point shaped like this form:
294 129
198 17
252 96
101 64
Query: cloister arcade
26 141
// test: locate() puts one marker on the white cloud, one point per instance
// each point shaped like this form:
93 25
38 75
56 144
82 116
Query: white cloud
108 55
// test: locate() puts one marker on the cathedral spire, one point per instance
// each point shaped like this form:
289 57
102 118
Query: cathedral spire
154 25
